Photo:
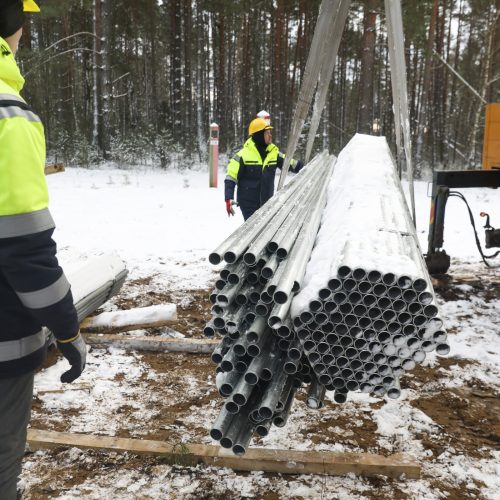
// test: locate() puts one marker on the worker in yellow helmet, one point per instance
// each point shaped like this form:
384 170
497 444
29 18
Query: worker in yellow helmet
34 292
253 169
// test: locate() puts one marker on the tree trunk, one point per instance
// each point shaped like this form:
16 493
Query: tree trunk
107 98
424 115
367 63
494 89
176 70
485 83
98 77
278 84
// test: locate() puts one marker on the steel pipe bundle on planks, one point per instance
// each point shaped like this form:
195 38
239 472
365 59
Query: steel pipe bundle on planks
365 311
372 315
260 360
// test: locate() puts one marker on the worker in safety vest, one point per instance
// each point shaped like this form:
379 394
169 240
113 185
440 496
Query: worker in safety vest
34 291
253 169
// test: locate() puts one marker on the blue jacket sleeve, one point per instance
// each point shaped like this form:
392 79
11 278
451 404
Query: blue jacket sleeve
229 186
295 165
30 266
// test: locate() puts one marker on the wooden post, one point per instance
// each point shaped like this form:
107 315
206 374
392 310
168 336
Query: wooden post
154 343
255 459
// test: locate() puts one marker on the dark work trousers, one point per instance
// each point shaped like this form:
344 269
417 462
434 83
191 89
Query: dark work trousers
248 211
16 395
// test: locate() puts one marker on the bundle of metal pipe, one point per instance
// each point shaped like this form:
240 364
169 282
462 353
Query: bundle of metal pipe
373 316
260 361
362 303
95 282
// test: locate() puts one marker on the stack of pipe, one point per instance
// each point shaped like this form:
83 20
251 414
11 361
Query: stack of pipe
369 314
95 282
354 313
260 361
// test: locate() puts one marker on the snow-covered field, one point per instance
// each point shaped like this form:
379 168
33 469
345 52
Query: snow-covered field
163 224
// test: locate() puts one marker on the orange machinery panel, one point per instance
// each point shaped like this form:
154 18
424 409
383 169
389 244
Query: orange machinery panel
491 144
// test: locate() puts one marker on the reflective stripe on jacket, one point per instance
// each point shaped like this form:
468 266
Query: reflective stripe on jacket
254 176
33 289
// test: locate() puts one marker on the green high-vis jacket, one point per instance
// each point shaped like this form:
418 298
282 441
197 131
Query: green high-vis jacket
23 189
34 291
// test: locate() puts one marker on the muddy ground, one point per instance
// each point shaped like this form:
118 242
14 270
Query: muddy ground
466 417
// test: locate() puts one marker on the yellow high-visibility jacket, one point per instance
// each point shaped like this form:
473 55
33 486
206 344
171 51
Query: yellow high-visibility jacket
23 188
254 175
33 289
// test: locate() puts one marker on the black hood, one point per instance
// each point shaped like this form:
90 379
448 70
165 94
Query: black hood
11 17
260 143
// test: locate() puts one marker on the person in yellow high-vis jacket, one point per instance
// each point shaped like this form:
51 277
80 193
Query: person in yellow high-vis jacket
34 292
253 169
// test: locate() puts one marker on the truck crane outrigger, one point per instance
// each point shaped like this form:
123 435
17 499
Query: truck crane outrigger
443 185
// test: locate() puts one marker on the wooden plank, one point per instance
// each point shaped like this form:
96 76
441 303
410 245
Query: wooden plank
255 459
154 343
54 168
454 280
87 326
72 387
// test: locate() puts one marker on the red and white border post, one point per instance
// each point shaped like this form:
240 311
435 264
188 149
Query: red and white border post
213 155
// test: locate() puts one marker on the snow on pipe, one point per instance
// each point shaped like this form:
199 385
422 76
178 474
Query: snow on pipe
259 368
378 299
361 328
264 230
106 274
95 282
257 222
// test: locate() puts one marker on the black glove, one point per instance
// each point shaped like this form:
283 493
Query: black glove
299 165
75 351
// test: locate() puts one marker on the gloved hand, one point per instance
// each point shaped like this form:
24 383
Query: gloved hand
229 207
299 165
75 351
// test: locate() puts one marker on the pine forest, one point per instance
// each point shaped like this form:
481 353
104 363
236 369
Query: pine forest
140 81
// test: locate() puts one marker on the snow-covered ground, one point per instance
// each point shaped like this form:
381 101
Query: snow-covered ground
163 224
168 221
159 222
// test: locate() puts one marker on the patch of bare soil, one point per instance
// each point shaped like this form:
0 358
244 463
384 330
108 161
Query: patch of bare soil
469 421
339 424
450 287
468 416
176 372
170 424
421 376
76 472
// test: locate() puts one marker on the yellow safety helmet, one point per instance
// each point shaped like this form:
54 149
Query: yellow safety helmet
258 124
30 6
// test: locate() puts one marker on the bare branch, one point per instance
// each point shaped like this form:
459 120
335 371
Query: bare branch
120 77
461 78
56 56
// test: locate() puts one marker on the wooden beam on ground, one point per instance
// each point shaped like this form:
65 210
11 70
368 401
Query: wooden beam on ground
138 318
88 326
154 343
55 168
255 459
